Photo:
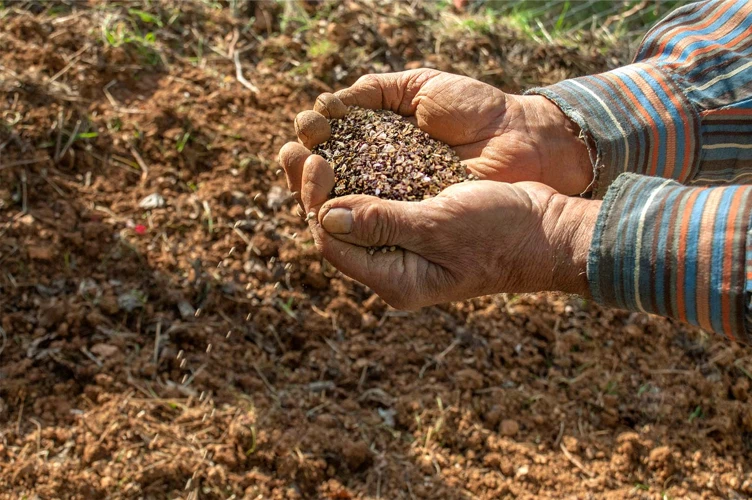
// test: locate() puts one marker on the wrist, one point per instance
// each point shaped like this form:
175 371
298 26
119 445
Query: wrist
569 224
564 157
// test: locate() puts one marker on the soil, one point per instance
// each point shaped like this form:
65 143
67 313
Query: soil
168 329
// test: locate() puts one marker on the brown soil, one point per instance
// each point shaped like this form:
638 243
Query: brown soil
202 349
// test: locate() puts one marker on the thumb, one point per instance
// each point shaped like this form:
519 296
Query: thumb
368 221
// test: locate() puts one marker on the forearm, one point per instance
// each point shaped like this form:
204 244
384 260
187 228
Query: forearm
673 250
681 111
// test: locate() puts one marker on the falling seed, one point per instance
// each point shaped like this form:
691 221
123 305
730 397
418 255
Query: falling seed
188 483
182 363
258 195
185 379
248 318
248 286
208 349
294 235
279 171
310 216
197 313
228 334
288 266
201 396
276 285
231 251
180 354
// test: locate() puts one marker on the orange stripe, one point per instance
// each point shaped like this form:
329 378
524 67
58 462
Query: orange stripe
725 112
692 28
730 45
644 114
705 258
672 139
728 261
682 309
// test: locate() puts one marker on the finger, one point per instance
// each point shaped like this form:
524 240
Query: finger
312 128
330 106
392 275
392 91
292 156
368 221
318 182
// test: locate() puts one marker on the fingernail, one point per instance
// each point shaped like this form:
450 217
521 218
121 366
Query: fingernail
338 221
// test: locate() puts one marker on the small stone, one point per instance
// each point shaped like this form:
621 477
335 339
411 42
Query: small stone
509 428
104 350
131 301
356 455
469 379
186 310
42 253
109 305
154 200
276 197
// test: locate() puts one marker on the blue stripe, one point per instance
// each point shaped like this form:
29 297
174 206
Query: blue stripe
654 116
693 240
716 263
715 25
626 262
728 153
682 15
677 121
716 61
675 238
629 112
672 197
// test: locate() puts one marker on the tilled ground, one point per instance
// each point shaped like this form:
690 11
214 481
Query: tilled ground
169 331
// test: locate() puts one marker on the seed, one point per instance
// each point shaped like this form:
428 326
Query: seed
380 153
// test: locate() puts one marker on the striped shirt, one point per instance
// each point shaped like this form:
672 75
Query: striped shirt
672 131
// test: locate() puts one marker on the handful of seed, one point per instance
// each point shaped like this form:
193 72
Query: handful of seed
380 153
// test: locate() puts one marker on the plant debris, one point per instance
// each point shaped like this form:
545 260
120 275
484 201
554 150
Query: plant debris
380 153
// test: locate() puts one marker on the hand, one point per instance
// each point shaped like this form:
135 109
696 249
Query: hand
500 137
475 238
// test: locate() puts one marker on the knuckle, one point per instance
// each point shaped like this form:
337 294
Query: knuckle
378 225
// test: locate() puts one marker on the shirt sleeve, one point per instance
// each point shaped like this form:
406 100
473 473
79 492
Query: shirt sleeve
678 251
682 110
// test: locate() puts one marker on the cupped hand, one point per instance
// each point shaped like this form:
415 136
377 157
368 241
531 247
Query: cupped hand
474 238
498 136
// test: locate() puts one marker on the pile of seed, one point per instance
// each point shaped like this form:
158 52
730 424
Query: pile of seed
382 154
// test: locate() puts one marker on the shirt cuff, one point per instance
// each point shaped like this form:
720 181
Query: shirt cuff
663 248
639 120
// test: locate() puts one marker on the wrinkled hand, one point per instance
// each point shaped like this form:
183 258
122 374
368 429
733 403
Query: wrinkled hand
475 238
498 136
